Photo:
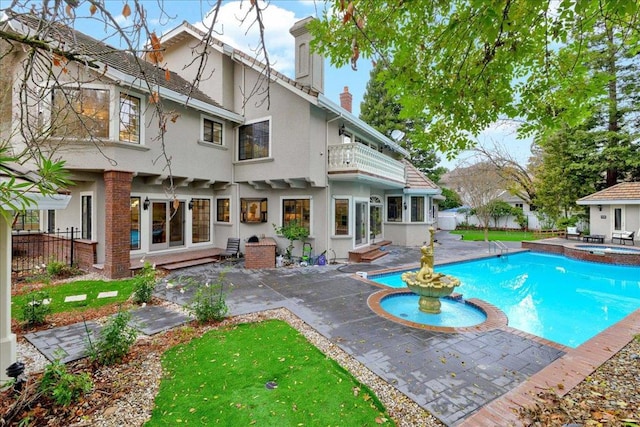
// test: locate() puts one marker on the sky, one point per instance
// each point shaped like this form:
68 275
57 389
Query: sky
279 17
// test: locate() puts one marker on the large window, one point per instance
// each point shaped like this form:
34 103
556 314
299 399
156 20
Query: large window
135 223
201 218
341 209
28 220
129 118
417 209
394 209
254 141
80 113
223 211
211 131
86 213
298 210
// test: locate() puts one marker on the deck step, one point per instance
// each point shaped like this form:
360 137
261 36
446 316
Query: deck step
188 263
368 253
370 256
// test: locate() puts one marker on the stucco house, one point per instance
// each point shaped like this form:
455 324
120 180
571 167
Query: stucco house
238 166
614 210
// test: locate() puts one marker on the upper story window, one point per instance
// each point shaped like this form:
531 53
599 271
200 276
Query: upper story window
80 113
254 141
129 118
211 131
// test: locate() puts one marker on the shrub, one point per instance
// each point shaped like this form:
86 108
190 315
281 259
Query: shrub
114 341
62 386
145 282
292 231
55 268
34 310
208 304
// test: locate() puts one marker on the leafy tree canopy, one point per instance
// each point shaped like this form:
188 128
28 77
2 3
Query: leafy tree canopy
463 64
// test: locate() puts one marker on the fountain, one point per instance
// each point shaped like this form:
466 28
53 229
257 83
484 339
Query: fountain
426 283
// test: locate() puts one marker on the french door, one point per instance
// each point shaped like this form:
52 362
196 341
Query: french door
362 219
167 224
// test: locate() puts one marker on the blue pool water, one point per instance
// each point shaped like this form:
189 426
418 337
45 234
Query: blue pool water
452 313
551 296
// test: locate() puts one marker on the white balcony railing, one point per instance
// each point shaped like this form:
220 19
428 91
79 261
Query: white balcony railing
358 157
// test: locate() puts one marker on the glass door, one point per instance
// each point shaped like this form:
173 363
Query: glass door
375 222
361 223
176 225
167 224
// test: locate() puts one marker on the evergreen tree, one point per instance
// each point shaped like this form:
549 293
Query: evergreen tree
384 113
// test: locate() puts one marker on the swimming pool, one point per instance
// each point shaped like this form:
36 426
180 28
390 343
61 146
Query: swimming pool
551 296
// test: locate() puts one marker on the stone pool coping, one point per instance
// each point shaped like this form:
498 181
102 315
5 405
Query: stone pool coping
495 317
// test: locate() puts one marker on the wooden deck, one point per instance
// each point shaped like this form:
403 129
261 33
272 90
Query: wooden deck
183 259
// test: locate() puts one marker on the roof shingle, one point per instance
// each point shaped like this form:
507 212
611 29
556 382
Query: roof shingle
625 191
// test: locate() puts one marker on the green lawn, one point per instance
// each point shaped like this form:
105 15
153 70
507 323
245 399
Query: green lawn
221 379
505 236
91 288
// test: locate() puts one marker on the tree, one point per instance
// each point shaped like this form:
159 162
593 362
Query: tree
383 112
462 65
452 199
499 209
518 177
479 186
569 169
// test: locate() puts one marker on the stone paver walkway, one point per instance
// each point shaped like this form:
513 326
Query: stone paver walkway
68 343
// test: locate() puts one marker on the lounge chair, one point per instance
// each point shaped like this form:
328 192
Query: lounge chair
623 237
233 248
573 232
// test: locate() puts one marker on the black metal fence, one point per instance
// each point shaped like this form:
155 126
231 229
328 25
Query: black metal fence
33 250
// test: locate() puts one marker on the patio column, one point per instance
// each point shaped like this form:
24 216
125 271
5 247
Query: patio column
117 206
7 339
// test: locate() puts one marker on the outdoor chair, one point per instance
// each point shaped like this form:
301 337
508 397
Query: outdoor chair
623 237
573 232
233 248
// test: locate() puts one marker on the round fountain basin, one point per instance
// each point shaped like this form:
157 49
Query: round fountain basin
455 314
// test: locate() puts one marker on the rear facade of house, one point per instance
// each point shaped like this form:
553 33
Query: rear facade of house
240 165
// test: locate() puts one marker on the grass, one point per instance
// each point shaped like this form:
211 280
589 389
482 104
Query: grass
221 377
505 236
91 288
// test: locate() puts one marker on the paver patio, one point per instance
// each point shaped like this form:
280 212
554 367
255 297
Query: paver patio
457 377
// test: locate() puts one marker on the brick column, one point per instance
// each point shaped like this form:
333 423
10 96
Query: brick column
117 224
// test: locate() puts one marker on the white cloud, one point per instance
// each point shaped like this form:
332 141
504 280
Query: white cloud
245 35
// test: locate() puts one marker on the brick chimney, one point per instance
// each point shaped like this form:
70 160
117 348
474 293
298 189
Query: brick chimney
346 99
309 65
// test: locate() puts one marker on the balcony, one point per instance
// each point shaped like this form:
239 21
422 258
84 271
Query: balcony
356 161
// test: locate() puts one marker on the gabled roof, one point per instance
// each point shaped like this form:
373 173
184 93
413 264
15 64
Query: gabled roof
417 182
623 193
124 64
177 35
